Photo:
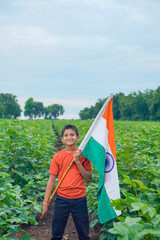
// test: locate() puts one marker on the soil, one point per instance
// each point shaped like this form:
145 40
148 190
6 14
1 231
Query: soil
42 231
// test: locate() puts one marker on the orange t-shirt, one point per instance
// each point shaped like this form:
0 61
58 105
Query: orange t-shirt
72 185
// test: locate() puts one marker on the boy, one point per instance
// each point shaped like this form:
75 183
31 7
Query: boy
71 196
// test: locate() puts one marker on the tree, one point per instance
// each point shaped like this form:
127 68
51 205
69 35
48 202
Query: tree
34 109
155 105
28 108
89 113
9 107
134 106
125 110
2 109
95 110
54 111
141 111
85 113
116 105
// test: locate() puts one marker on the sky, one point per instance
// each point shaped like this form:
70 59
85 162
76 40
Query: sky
73 52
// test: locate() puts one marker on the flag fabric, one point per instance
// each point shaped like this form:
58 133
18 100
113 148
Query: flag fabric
99 147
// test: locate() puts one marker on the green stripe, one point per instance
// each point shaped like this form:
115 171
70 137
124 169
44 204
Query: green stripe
105 211
96 153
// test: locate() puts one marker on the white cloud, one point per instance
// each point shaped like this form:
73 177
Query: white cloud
130 87
28 3
129 50
25 35
15 37
149 62
97 3
90 43
65 102
152 65
141 17
8 83
140 56
14 83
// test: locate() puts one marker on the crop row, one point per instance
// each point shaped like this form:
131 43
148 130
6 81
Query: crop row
137 150
26 150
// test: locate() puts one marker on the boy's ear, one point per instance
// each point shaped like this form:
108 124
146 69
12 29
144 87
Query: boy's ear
62 139
78 137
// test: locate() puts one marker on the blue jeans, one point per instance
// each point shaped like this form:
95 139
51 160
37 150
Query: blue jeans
78 208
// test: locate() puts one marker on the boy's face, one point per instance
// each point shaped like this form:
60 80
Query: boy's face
69 137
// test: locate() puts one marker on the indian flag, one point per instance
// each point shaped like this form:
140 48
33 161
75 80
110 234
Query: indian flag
99 147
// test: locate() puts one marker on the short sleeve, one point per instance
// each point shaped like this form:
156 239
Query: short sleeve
87 164
54 166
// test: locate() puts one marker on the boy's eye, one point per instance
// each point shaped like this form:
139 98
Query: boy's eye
66 135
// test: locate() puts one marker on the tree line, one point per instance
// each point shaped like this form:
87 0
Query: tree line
9 108
134 106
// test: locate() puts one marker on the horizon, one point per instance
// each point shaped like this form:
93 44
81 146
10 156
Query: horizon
22 117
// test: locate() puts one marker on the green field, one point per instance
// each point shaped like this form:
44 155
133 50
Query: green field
26 150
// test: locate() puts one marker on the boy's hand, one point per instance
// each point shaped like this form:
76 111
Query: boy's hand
76 156
44 209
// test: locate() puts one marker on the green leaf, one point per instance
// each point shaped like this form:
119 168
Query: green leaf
120 228
23 217
123 238
10 238
32 221
121 219
127 229
2 214
142 233
103 236
2 222
131 221
151 212
15 220
94 223
38 207
155 232
27 237
137 206
135 228
156 220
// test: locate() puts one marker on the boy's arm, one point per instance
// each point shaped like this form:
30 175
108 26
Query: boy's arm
86 174
49 188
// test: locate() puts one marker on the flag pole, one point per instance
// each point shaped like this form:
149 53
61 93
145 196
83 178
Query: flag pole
60 180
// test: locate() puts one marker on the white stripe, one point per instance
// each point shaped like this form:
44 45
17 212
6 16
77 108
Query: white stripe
111 183
100 133
95 123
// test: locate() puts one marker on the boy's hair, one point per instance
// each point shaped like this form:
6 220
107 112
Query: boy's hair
70 127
